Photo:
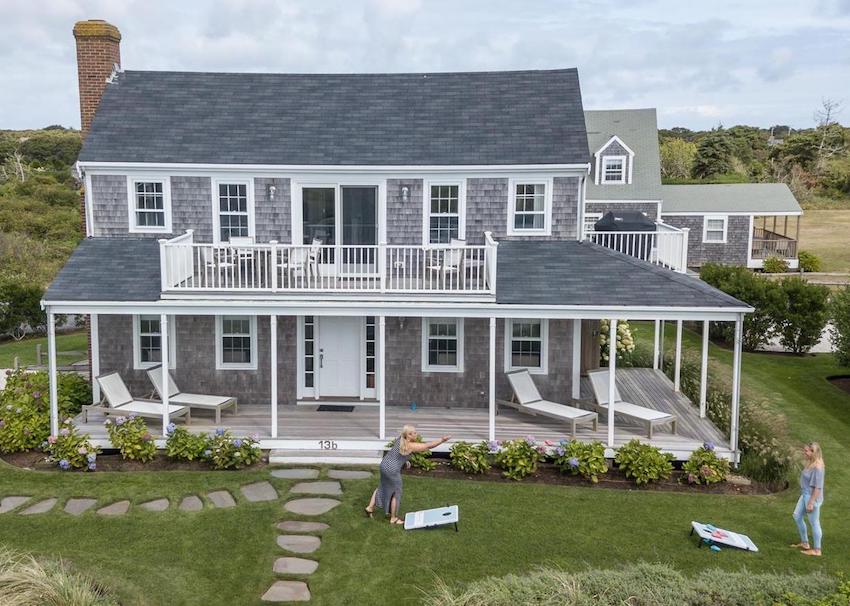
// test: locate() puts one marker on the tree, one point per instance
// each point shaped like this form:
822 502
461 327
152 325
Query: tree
830 135
801 315
714 154
677 158
840 333
20 309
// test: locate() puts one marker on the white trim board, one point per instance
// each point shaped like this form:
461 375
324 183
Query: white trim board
690 213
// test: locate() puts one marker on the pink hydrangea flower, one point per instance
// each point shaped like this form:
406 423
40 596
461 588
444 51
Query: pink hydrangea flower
82 450
51 440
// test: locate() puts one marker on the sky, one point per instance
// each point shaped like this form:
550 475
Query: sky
701 64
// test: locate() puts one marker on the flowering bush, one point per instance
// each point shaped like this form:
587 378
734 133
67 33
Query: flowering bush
419 460
705 467
470 458
226 452
519 458
70 450
644 463
625 339
183 445
130 435
586 459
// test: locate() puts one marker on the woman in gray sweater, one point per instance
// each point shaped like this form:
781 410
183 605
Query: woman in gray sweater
811 498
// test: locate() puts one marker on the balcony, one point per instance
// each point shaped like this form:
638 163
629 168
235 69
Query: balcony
667 246
190 267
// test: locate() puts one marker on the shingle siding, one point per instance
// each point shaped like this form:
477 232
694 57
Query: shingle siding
109 203
191 207
404 219
273 218
733 252
650 209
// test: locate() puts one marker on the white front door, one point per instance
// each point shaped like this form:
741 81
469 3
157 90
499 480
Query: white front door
339 356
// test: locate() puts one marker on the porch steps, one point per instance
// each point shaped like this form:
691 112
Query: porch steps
333 457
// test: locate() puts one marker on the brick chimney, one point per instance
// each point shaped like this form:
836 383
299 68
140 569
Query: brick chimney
98 52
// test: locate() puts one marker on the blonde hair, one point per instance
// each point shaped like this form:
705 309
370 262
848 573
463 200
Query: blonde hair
403 442
816 458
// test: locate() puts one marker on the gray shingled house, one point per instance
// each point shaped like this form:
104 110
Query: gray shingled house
348 253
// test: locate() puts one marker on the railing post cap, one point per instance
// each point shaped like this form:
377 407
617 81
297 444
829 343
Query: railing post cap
190 231
162 240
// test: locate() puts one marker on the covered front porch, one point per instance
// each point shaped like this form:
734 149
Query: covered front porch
774 236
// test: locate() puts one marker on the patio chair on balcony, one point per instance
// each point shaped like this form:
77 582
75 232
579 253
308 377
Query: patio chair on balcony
527 399
120 402
649 416
302 262
192 400
448 265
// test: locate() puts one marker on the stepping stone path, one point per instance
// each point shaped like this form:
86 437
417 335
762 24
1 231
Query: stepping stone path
310 507
77 506
296 526
40 507
348 474
221 499
115 509
296 474
191 503
329 488
9 503
295 566
299 543
155 505
259 491
287 591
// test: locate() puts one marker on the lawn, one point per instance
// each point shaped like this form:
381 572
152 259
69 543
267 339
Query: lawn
824 232
74 342
225 556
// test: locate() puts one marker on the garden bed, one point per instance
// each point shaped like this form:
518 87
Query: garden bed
841 382
111 460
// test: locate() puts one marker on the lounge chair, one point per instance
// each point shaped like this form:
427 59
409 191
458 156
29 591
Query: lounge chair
650 416
120 402
527 399
192 400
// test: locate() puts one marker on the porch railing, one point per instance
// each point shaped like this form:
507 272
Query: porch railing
667 246
187 266
767 243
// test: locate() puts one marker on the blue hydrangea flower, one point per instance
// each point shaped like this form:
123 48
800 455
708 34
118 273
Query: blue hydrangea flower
530 440
44 444
564 442
207 452
237 443
493 446
708 446
573 462
169 429
131 416
64 465
91 458
560 451
120 420
219 431
92 466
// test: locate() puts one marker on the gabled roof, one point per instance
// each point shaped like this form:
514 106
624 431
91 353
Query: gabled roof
433 119
638 129
747 198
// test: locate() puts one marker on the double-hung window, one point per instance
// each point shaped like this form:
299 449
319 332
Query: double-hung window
614 169
526 345
236 342
714 229
147 342
233 210
149 205
442 345
530 208
445 213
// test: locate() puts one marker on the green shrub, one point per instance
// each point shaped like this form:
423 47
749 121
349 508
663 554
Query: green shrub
70 450
470 458
809 261
705 467
644 463
519 458
775 265
20 308
840 333
226 452
585 459
801 315
183 445
130 435
418 460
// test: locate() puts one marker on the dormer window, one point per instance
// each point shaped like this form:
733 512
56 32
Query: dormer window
614 169
614 163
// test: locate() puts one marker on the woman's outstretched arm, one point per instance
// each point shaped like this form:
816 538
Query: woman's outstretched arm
423 446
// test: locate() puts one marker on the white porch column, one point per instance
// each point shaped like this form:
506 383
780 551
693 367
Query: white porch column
382 368
677 369
273 364
656 345
491 430
661 345
94 371
51 371
576 369
703 370
736 386
163 346
612 377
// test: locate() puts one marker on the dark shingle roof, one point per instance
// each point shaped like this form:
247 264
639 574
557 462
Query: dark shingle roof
581 273
521 117
109 269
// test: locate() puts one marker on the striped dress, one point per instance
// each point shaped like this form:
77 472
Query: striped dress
390 484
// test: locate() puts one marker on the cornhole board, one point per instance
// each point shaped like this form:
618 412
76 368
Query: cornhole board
430 518
712 535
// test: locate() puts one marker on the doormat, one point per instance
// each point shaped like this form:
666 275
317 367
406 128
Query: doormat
334 408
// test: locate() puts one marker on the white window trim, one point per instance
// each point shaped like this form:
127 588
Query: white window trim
705 229
597 178
132 227
426 209
137 343
544 347
219 365
426 367
623 179
547 207
216 217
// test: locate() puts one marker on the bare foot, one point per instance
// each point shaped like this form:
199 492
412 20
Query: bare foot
811 552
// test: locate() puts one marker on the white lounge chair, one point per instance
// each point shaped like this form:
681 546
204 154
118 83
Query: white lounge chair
650 416
192 400
527 399
120 402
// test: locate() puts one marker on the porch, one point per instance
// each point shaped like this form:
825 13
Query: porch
774 236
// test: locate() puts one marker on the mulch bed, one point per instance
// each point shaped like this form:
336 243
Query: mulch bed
841 382
112 461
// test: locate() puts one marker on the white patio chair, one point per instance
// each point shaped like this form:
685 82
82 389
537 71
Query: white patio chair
447 263
650 416
527 399
120 402
192 400
302 262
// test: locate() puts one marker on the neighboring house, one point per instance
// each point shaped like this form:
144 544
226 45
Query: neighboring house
364 241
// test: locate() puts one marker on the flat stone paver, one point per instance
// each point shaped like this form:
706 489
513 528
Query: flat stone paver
221 499
155 505
40 507
9 503
191 503
299 543
296 474
287 591
119 508
298 526
77 506
259 491
348 474
295 566
310 506
330 488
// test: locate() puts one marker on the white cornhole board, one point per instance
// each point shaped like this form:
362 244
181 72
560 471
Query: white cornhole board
428 518
726 537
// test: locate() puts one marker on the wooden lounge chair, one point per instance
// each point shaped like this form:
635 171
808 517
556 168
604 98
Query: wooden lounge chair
192 400
120 402
650 416
527 399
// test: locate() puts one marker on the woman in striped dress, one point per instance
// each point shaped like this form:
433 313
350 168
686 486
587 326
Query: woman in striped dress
388 494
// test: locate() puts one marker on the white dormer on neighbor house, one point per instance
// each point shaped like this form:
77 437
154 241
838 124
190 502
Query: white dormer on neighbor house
615 163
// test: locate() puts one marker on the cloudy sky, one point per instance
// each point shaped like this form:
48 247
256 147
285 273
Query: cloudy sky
756 62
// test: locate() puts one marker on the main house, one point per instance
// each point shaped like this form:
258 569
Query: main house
344 254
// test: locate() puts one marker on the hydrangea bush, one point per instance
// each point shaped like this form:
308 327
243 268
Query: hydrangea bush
625 340
519 458
470 458
226 452
585 459
644 463
130 435
705 467
183 445
71 450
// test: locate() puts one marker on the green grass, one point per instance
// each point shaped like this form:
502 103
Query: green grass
24 349
824 232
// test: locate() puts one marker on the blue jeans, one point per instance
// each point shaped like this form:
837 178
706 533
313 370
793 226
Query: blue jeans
800 514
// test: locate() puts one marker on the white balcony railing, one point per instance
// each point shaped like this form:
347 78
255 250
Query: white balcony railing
667 246
187 266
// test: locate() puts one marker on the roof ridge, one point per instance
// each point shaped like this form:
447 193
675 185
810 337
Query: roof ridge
560 70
